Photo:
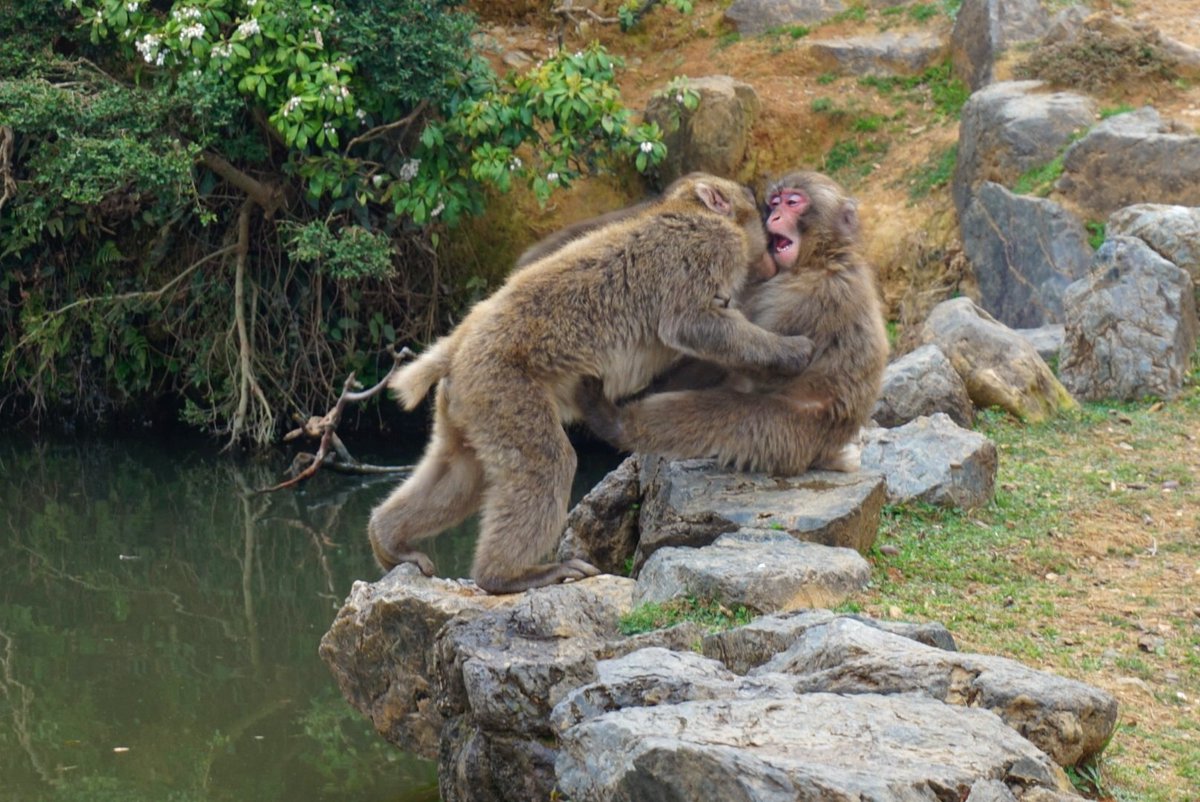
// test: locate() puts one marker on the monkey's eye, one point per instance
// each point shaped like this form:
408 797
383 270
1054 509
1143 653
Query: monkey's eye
792 199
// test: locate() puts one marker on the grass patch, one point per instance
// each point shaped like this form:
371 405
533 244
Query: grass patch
1096 62
934 174
853 158
712 614
1040 180
826 78
1096 233
821 105
1113 111
936 87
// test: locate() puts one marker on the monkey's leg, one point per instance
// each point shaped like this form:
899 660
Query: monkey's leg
442 491
529 466
764 432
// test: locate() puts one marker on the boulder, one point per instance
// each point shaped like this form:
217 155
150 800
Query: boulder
692 502
998 366
983 29
380 650
933 459
880 55
1173 232
1131 158
603 527
763 570
806 748
759 16
1131 325
1046 340
922 382
746 647
1011 127
1024 252
1069 720
713 137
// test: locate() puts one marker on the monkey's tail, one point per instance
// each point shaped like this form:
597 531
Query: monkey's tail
412 382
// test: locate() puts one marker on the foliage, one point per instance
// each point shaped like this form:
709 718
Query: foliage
215 200
1096 61
1097 233
631 11
709 612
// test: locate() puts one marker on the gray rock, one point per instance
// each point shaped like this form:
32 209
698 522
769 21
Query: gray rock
1131 158
475 765
749 646
983 29
508 668
713 137
1068 720
880 55
990 791
1131 325
759 16
1172 231
1046 340
810 748
1011 127
998 366
933 459
692 502
922 382
603 527
380 650
763 570
1024 252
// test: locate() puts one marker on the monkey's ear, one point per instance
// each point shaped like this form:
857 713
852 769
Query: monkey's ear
847 220
711 197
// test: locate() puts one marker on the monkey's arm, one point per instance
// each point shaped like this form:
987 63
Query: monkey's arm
599 413
726 337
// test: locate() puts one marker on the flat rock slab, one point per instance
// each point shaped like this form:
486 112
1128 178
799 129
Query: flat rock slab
882 55
692 502
933 459
1068 720
763 570
818 747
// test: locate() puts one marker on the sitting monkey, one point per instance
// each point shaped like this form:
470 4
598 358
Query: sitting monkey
781 424
621 303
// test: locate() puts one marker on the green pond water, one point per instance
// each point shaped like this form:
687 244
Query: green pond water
159 626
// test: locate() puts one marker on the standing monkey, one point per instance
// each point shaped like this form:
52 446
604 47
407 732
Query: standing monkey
621 303
782 424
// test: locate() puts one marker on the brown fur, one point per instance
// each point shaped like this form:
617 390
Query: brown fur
620 303
780 424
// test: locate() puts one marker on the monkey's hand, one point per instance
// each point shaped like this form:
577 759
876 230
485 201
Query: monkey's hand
797 354
601 415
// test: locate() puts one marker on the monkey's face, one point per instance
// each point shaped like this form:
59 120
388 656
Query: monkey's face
786 208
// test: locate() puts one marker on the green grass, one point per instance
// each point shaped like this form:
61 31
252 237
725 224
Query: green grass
1096 233
934 174
1040 180
936 86
712 614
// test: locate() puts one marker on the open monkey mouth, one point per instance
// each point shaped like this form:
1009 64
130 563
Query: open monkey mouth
781 244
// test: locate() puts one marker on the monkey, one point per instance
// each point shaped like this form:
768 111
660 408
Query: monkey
779 424
620 303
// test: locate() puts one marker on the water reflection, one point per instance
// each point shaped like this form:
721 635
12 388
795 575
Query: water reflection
159 628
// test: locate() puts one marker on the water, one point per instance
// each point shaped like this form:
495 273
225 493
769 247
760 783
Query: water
159 627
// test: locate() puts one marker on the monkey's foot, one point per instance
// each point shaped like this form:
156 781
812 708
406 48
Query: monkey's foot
423 563
848 460
539 576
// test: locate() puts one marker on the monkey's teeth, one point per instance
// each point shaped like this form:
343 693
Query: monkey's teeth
782 244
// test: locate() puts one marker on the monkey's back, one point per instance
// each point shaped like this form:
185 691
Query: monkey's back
593 307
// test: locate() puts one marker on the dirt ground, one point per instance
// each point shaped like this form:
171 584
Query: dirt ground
1124 614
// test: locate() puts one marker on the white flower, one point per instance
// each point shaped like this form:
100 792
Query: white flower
292 104
191 32
552 177
441 207
132 6
148 46
222 50
317 36
409 171
646 147
248 28
515 164
679 98
185 13
361 115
